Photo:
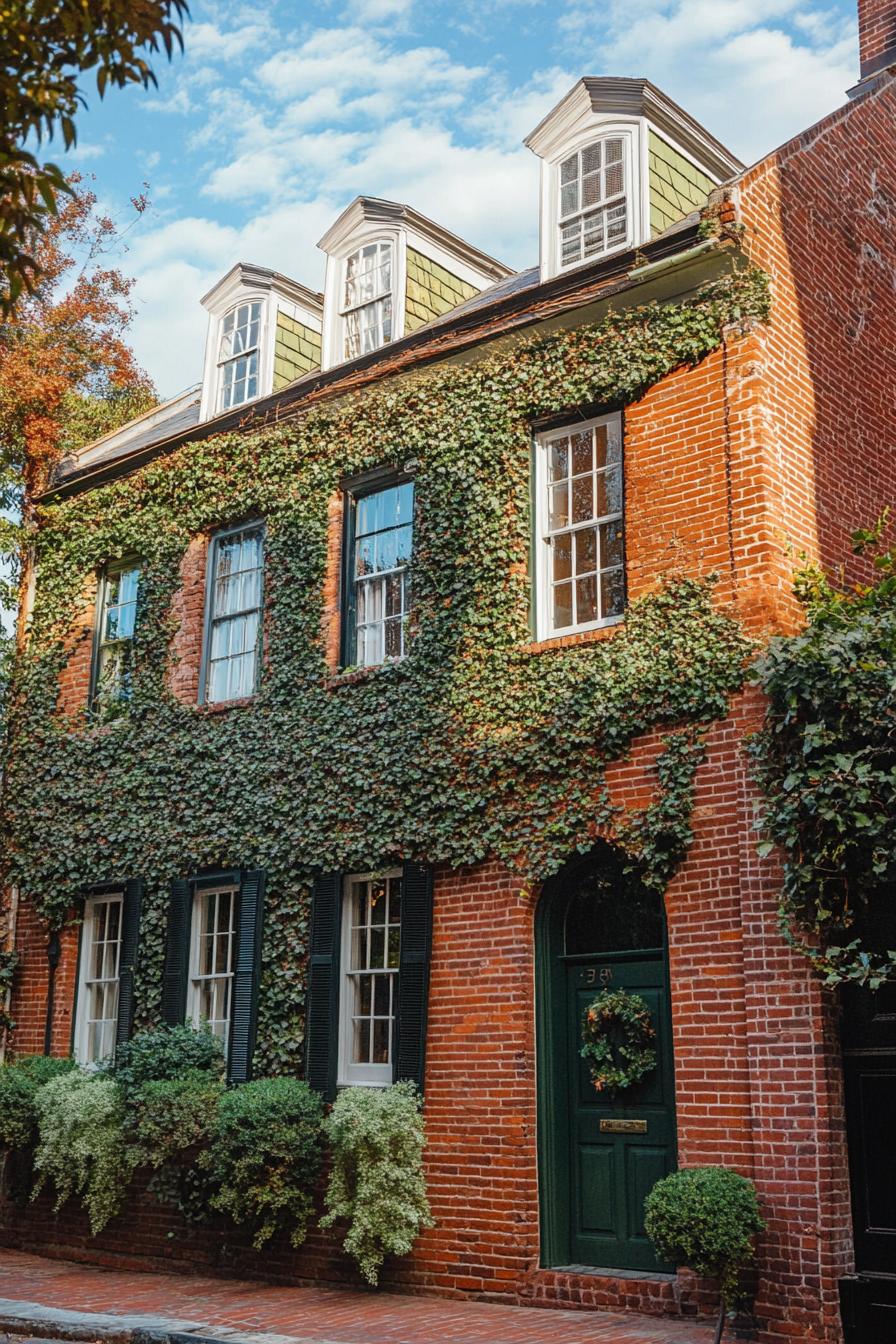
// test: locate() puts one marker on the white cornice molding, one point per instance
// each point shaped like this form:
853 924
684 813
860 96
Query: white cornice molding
245 276
367 211
613 96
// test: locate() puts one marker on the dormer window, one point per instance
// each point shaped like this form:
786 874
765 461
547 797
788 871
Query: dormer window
238 355
367 299
593 209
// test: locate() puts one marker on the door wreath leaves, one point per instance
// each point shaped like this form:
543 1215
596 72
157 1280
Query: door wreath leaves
618 1040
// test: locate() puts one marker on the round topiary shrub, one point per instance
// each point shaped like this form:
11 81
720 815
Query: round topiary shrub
705 1218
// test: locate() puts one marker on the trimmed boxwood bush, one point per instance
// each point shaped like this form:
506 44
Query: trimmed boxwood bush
166 1053
19 1081
705 1218
169 1118
265 1157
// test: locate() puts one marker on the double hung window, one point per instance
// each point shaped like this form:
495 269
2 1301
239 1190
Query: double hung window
114 640
98 989
367 299
234 614
580 559
593 202
238 355
212 946
378 581
371 940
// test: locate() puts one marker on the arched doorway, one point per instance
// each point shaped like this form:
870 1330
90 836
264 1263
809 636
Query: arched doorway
599 1156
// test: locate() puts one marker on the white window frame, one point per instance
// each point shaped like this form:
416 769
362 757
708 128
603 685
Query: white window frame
195 978
350 1074
86 980
545 629
225 361
212 619
637 219
346 309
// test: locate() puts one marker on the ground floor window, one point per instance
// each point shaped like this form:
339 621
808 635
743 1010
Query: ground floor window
97 1013
371 940
212 945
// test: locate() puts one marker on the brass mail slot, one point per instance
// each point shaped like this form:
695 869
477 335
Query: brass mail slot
623 1126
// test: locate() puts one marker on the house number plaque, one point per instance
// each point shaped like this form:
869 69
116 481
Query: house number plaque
623 1126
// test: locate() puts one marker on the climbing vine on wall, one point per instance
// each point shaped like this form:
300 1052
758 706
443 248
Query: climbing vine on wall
826 762
470 747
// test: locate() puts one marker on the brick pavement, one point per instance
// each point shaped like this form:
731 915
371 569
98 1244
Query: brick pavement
215 1306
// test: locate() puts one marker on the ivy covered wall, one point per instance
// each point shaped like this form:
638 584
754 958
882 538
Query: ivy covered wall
472 747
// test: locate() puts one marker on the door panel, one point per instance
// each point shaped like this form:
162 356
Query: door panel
615 1171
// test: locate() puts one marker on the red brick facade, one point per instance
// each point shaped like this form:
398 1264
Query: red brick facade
784 436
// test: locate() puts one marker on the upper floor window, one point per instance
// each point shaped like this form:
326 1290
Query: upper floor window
233 614
579 513
212 945
378 582
593 205
367 299
114 639
238 355
97 1016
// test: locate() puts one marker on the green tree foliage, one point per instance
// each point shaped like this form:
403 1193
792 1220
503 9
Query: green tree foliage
47 46
377 1183
82 1146
705 1218
265 1157
19 1082
826 763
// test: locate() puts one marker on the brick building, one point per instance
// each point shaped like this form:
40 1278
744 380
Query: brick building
777 439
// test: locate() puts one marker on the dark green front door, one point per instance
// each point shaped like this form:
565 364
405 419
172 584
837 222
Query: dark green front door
618 1147
600 1155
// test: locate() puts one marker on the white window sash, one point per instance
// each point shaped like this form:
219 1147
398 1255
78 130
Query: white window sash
215 981
545 534
350 1074
88 983
603 207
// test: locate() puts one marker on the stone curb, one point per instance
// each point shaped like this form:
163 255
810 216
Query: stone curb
86 1327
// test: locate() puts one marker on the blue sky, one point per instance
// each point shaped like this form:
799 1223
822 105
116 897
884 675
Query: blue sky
278 115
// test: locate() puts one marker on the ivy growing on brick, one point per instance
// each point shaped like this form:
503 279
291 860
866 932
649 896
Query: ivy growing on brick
470 747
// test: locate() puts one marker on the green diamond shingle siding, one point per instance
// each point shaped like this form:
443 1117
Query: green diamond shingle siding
296 350
431 291
676 186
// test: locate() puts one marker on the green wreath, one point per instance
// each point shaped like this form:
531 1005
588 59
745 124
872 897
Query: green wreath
618 1064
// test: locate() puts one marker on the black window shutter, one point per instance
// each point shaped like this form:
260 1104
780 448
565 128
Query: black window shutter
131 905
177 947
413 977
322 1008
246 972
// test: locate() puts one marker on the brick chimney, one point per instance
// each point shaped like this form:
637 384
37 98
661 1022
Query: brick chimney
877 36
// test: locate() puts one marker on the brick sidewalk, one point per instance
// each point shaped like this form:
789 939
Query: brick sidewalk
204 1305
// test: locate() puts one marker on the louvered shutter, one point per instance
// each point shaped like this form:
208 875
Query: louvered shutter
322 1010
413 977
246 972
131 905
177 948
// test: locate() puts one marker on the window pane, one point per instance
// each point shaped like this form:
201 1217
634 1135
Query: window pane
611 544
569 198
582 498
559 506
586 600
586 550
569 169
562 551
582 453
562 605
383 544
612 590
559 463
361 1050
609 492
381 1033
591 157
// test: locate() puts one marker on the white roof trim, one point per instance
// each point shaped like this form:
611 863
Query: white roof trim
371 209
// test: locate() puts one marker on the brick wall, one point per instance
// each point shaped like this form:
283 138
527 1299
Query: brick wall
877 33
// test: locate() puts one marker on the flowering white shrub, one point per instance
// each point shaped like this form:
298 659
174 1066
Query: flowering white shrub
377 1183
81 1144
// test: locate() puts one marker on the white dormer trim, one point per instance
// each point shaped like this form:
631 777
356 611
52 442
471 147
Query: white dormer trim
606 107
245 283
369 219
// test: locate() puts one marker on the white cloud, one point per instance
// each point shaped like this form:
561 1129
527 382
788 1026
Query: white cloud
84 150
208 42
178 103
381 11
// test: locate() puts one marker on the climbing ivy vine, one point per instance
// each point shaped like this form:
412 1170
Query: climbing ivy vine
826 763
471 747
